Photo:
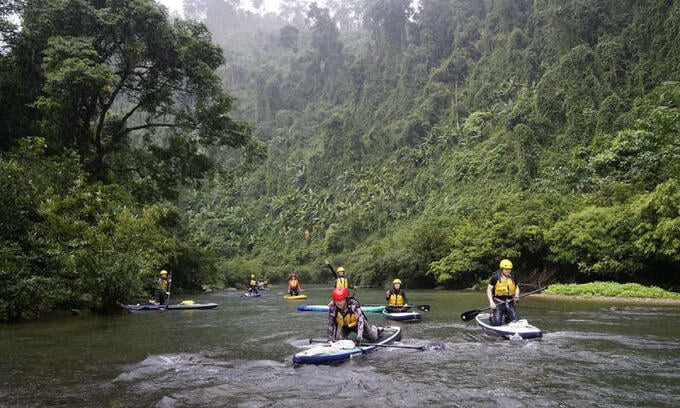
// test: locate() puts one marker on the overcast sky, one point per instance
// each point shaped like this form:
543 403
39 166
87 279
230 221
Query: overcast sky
269 5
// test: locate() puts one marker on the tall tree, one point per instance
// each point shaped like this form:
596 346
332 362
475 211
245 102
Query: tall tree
135 95
387 21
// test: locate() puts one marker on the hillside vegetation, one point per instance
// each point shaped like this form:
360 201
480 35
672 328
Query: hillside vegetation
429 144
425 144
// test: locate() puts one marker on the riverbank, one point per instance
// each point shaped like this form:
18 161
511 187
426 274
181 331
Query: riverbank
613 292
616 299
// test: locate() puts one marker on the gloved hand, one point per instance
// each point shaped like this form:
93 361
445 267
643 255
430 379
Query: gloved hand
492 305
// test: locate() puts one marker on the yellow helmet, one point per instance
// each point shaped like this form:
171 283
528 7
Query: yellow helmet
396 281
506 264
341 269
164 272
252 276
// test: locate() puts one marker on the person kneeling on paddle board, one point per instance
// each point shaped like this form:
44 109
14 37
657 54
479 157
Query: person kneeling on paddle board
294 287
502 293
345 316
396 298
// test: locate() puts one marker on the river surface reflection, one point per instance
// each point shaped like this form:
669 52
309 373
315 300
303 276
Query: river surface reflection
593 353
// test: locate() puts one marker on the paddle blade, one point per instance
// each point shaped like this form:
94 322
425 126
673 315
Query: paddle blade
424 308
469 315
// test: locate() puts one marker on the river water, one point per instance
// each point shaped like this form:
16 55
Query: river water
593 353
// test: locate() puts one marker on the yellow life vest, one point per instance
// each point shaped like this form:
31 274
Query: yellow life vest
341 282
253 282
293 283
348 320
504 286
395 300
163 284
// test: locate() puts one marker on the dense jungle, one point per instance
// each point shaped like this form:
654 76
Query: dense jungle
421 140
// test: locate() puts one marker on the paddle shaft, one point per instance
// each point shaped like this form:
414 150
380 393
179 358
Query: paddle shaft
376 345
167 300
392 346
470 314
424 308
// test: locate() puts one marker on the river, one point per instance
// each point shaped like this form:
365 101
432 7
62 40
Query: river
593 353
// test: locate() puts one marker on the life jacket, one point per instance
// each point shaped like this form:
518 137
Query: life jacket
348 319
396 299
163 284
504 286
341 282
253 282
294 284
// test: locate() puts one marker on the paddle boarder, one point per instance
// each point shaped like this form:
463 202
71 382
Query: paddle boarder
340 280
252 285
502 293
396 298
294 287
265 282
345 317
163 288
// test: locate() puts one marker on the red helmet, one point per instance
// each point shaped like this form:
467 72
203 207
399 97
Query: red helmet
340 293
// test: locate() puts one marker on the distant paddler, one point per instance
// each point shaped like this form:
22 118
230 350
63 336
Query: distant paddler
340 280
252 285
294 286
396 298
163 288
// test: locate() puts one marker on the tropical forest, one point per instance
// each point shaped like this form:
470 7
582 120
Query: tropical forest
425 140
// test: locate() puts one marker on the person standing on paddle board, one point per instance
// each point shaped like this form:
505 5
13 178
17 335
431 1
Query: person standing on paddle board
340 280
502 293
294 287
345 317
162 287
252 284
396 297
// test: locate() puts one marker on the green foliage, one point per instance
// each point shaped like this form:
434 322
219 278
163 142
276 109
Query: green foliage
66 237
426 144
514 227
624 240
404 253
530 130
147 128
597 240
612 289
657 228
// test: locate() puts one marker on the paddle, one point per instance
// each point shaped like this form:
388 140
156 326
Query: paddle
376 345
424 308
328 264
392 345
167 300
470 314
